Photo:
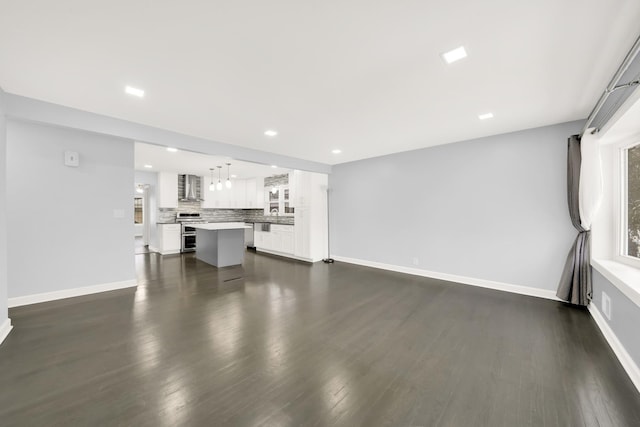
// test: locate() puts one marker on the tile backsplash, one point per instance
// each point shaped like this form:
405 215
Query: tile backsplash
275 180
222 215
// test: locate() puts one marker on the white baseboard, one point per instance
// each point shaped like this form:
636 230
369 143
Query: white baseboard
170 252
283 254
69 293
625 358
490 284
5 328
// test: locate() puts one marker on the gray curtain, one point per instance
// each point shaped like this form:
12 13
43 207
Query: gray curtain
575 283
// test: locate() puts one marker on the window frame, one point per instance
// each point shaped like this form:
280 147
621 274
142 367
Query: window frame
621 203
282 201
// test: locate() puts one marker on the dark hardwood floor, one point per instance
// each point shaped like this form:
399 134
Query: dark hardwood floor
282 343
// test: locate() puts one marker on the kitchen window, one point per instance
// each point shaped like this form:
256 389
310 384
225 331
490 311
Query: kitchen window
630 206
278 202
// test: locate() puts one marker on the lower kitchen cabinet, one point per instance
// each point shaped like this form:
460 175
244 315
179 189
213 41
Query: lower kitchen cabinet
169 238
280 240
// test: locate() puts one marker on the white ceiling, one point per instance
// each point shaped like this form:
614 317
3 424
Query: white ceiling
362 76
187 162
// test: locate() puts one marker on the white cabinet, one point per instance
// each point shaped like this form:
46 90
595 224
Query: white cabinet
167 190
254 193
259 194
169 236
208 201
244 194
281 239
310 201
221 198
250 194
237 194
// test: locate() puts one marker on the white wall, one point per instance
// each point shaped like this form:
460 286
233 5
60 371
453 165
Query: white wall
64 233
150 179
3 216
494 208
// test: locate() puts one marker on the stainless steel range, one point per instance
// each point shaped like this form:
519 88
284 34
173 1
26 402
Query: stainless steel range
187 219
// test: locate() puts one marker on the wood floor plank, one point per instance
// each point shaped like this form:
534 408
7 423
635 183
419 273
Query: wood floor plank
276 342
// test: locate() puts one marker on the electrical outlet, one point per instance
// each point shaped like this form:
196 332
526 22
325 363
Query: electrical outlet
606 306
415 261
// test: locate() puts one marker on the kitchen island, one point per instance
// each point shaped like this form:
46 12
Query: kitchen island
220 244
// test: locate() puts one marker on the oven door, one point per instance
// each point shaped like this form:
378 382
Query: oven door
188 229
188 242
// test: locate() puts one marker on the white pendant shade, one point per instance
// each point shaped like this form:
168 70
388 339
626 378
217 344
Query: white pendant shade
228 183
212 186
219 185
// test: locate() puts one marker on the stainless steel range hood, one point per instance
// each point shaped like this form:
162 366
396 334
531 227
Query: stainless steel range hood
191 188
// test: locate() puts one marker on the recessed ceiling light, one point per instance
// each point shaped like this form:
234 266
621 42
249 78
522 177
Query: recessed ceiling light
148 166
172 150
454 55
270 132
336 151
234 176
274 166
485 116
134 91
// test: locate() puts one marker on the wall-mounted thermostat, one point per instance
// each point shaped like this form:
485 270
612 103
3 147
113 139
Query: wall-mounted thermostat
72 158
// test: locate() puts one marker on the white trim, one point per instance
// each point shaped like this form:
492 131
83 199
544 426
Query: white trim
490 284
171 252
625 359
622 276
5 328
70 293
286 255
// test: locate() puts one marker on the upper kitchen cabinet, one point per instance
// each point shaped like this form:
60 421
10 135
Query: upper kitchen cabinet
251 188
208 200
243 194
254 193
237 194
167 190
258 195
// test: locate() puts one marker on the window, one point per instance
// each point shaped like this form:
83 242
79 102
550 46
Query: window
631 202
278 202
137 210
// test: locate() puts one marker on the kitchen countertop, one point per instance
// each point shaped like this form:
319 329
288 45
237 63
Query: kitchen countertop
231 222
220 226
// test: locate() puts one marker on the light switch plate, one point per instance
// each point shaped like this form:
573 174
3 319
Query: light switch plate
72 158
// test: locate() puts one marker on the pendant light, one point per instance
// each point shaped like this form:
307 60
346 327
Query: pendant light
212 186
139 189
219 184
228 183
